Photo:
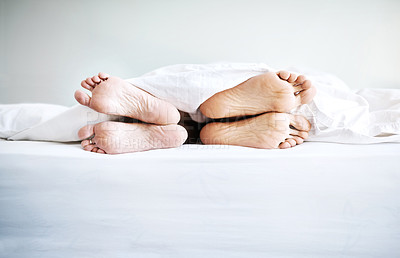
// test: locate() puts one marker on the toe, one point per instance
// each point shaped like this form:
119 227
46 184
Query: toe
306 96
103 76
82 98
301 83
289 77
301 134
85 143
86 132
284 145
96 79
292 78
297 89
300 79
298 140
291 141
86 86
89 147
300 123
304 90
101 151
306 85
284 75
90 82
95 149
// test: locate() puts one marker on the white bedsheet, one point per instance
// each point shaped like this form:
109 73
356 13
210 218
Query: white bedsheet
315 200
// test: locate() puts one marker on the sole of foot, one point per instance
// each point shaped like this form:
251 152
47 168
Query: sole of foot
267 131
268 92
116 137
113 96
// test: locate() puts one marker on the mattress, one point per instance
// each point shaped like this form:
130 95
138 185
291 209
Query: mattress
314 200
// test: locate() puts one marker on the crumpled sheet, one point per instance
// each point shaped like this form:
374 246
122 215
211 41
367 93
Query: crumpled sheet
337 114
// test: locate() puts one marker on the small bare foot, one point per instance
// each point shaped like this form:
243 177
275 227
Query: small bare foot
276 92
266 131
116 137
114 96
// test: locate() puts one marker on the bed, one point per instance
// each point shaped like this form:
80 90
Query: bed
315 200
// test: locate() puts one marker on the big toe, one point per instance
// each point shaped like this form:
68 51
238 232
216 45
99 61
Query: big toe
307 94
300 123
304 90
82 98
284 145
86 132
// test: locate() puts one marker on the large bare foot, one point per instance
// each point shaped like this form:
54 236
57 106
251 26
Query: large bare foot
277 92
114 96
116 137
266 131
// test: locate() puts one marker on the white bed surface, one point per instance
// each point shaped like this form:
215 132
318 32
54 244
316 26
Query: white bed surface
315 200
309 149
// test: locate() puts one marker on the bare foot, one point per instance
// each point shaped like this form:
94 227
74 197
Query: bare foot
114 96
277 92
266 131
116 137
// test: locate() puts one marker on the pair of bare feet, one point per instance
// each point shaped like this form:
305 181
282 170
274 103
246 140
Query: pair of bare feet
269 96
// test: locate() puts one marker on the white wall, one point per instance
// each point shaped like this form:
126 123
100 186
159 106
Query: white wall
47 47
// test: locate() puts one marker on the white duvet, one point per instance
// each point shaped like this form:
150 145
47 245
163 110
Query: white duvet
337 113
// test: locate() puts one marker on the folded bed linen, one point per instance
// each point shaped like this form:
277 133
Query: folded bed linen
337 114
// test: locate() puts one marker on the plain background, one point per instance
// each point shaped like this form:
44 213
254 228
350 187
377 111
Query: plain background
47 46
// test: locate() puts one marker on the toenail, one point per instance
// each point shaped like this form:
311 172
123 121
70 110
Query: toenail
91 141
